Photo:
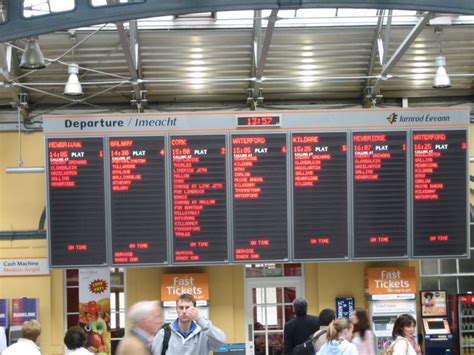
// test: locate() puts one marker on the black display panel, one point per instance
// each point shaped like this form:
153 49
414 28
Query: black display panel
439 193
258 121
380 194
199 198
76 202
259 191
138 202
320 196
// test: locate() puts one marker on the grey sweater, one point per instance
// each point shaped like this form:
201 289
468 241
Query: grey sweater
201 341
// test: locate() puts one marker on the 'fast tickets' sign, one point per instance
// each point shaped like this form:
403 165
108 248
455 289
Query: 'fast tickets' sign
174 285
391 280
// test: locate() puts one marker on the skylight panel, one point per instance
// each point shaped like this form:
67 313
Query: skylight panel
33 8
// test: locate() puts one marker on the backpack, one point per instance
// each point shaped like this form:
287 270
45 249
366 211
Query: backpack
307 347
166 339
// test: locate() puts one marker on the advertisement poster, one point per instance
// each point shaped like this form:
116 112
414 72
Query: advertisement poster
24 309
4 313
344 306
94 309
433 304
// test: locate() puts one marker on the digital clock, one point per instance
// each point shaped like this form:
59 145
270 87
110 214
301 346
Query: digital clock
258 121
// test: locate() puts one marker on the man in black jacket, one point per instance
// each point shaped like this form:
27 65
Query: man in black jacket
301 327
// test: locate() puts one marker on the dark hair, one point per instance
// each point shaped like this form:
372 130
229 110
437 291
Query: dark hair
75 338
363 323
430 294
405 320
187 298
300 307
326 316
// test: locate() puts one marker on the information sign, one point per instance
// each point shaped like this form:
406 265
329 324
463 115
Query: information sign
76 201
380 194
439 193
199 198
138 201
320 195
259 194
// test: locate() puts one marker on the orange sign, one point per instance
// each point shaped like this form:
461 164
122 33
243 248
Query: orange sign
174 285
391 280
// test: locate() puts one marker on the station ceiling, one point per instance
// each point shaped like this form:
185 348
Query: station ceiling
269 60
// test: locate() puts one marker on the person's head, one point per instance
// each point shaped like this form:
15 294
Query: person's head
360 320
75 338
428 296
31 330
147 316
326 316
300 307
183 303
341 328
404 326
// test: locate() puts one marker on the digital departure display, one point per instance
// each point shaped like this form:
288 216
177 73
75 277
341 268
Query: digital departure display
258 121
320 195
138 201
77 234
439 193
182 188
199 198
259 191
380 194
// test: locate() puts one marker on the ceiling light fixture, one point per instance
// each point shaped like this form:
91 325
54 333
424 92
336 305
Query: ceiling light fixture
73 86
32 57
441 79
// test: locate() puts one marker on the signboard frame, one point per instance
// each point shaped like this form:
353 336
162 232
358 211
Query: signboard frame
291 122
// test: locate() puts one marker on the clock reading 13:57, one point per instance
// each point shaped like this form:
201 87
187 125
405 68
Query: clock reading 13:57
258 121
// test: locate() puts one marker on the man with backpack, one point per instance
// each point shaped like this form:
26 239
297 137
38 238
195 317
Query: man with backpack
189 334
318 339
326 317
299 329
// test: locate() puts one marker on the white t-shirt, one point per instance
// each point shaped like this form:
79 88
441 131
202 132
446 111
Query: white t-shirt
401 346
22 347
79 351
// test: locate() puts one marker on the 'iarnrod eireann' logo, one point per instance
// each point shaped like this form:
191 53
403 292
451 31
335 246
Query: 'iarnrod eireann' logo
392 118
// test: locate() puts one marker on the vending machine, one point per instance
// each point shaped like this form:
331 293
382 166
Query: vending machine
384 310
391 291
466 324
438 338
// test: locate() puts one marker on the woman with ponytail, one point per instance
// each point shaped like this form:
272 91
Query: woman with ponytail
337 343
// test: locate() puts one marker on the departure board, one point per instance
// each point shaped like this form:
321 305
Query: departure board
199 198
439 193
320 224
380 194
76 199
138 201
259 191
203 188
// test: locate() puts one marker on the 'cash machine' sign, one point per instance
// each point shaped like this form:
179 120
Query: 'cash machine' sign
391 280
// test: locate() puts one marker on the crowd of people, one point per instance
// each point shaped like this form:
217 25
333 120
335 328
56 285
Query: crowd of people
193 334
344 336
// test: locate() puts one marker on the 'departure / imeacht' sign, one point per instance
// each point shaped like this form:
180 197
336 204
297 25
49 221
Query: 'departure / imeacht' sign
391 280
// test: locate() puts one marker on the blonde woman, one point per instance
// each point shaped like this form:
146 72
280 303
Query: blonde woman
337 344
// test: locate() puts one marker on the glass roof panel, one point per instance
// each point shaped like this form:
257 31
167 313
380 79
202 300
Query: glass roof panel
33 8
